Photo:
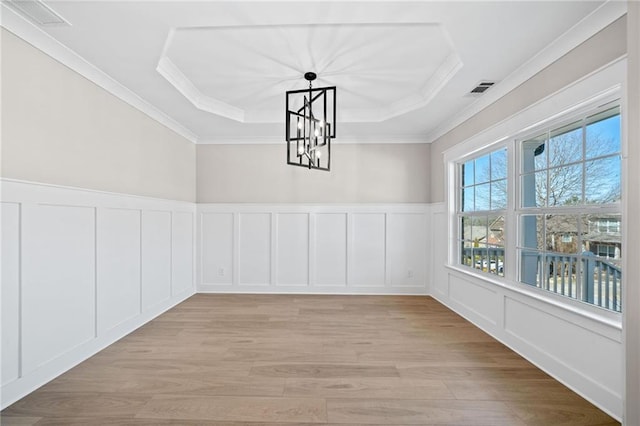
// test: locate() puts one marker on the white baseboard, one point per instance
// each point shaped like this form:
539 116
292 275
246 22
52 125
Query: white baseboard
18 389
577 348
81 269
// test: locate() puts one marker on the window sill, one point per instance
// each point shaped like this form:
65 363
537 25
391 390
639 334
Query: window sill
599 315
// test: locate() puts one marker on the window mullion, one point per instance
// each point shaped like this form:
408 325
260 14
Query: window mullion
513 198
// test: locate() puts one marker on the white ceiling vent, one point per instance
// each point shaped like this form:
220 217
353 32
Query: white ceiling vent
481 87
38 12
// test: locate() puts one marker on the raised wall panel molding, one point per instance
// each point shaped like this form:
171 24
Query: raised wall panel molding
313 248
254 249
10 296
566 342
71 276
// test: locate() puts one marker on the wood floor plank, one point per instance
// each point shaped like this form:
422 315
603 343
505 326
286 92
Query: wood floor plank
282 410
87 404
306 355
560 413
493 372
323 370
510 389
267 360
182 384
119 421
422 412
368 387
19 421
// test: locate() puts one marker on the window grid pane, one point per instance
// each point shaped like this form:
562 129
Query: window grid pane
483 189
577 167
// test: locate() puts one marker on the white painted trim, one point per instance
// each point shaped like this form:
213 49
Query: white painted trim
417 285
317 290
601 85
16 189
604 398
167 69
435 82
578 34
586 28
595 89
312 208
493 320
600 325
348 140
38 38
608 399
13 391
33 194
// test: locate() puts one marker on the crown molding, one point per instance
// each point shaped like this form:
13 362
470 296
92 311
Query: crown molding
572 38
382 139
167 69
421 96
32 34
590 25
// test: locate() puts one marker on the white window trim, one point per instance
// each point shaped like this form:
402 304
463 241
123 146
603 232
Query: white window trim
600 87
516 213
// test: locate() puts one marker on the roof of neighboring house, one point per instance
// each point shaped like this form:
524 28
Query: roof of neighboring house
603 237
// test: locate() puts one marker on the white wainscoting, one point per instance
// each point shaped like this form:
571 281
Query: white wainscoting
81 269
338 249
577 348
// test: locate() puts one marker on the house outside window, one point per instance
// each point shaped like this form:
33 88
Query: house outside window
481 208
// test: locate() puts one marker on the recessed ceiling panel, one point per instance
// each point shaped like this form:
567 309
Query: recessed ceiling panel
217 71
242 73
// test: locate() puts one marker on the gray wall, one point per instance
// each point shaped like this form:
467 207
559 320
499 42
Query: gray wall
59 128
372 173
599 50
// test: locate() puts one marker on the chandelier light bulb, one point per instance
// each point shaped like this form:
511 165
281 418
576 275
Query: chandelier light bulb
301 150
318 154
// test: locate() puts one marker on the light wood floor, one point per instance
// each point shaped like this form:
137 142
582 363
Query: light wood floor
273 360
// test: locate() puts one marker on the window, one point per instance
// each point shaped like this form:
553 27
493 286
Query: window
566 214
605 226
604 250
482 203
569 214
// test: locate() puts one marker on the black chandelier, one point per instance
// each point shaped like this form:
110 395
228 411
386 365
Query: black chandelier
310 125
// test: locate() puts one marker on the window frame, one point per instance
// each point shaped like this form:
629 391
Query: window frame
459 205
527 123
582 209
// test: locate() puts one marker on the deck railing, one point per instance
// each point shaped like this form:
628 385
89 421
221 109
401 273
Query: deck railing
583 277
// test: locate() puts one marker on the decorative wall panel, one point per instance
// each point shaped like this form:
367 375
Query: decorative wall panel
81 269
310 248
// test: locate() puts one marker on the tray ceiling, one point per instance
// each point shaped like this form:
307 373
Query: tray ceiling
219 69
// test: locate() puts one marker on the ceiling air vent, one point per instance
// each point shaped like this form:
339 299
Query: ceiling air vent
38 12
481 87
